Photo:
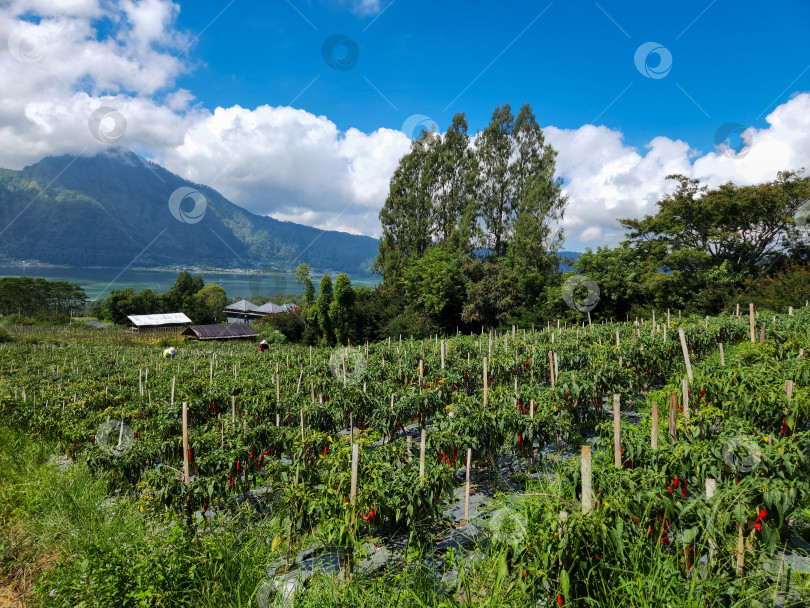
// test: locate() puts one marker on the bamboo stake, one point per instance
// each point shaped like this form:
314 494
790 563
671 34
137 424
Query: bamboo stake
751 320
587 483
682 338
186 476
617 432
355 463
422 455
233 409
673 415
485 382
711 485
467 487
722 356
685 389
654 426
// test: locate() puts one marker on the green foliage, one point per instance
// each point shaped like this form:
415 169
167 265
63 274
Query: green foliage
341 310
435 282
302 276
323 303
26 296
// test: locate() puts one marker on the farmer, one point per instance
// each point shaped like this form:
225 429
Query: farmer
263 346
169 352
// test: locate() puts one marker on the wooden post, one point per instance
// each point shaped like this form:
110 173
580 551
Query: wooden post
173 379
711 484
485 382
654 426
467 488
685 389
211 373
587 483
617 432
442 353
722 356
685 353
762 334
186 476
551 367
355 462
531 409
751 320
422 455
302 426
233 409
740 551
673 415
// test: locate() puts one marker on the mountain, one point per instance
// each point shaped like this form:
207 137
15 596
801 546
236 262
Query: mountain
113 210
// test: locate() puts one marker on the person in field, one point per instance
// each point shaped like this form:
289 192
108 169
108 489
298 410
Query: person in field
263 346
169 352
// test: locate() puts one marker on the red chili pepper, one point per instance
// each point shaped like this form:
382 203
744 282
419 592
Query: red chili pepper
559 600
369 516
763 513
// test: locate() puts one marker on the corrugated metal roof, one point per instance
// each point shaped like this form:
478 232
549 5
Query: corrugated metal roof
222 331
272 309
242 306
171 318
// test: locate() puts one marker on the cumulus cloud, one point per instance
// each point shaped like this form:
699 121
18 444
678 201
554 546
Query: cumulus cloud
67 58
607 179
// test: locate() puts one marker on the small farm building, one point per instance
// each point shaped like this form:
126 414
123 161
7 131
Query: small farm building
163 322
228 331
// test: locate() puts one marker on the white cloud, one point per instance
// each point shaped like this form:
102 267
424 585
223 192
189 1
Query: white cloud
607 179
290 163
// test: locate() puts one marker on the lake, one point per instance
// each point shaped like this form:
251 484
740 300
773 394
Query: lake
98 282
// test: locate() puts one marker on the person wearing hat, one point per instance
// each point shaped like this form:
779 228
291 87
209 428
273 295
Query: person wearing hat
169 352
263 346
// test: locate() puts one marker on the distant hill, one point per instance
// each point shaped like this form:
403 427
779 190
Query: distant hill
113 210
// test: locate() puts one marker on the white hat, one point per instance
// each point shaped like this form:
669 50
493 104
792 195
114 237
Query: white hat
263 342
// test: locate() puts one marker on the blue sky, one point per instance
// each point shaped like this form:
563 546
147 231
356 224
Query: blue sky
248 97
736 60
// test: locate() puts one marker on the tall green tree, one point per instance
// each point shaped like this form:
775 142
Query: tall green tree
302 276
451 169
407 214
435 283
745 226
323 303
212 299
341 310
516 178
